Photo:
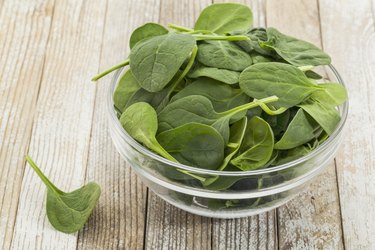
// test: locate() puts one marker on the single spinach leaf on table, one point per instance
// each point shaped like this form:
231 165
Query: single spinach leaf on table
223 55
325 115
222 96
194 144
331 94
222 18
295 51
300 130
257 146
199 109
140 121
146 31
125 89
68 212
156 60
223 75
285 81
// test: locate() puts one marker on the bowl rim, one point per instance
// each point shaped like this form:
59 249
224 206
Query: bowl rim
125 136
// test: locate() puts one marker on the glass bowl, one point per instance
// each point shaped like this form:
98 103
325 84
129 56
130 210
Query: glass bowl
250 192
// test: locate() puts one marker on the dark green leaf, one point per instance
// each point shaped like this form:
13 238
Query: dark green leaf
257 146
223 55
223 75
285 81
155 61
125 89
295 51
194 144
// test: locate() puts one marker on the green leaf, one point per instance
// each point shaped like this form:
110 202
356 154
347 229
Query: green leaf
326 115
223 75
125 89
68 212
146 31
285 81
156 60
140 121
222 18
300 130
223 55
257 146
194 144
295 51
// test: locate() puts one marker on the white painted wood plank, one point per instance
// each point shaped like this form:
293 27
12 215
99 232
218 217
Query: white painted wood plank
348 31
61 133
24 30
119 222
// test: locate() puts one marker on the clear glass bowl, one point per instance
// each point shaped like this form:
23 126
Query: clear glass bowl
254 191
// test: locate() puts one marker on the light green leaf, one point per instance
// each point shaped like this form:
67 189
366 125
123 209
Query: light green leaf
146 31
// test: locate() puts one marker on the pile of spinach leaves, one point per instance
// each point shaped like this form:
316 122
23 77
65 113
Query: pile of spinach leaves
225 95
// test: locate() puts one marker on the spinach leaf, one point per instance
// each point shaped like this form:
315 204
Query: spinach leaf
331 94
326 115
278 123
285 81
194 144
199 109
313 75
300 130
252 45
257 146
223 75
126 88
141 122
68 212
223 55
221 95
156 60
222 18
295 51
146 31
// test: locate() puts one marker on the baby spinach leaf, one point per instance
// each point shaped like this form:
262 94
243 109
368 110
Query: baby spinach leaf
199 109
326 115
295 51
300 130
256 36
194 144
125 89
140 121
68 212
332 94
222 18
313 75
156 60
223 55
257 146
221 95
223 75
258 58
278 123
285 81
146 31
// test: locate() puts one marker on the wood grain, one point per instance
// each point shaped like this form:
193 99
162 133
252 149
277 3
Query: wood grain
62 124
167 226
119 221
349 36
312 219
24 32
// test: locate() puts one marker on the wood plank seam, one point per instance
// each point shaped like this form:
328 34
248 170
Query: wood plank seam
33 118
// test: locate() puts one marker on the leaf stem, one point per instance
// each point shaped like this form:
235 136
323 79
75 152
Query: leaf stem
249 105
106 72
179 28
226 38
268 110
45 180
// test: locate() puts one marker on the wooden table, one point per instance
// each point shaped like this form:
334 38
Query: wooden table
49 109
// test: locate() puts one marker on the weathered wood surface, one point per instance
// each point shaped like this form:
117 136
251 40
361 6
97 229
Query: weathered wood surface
49 109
